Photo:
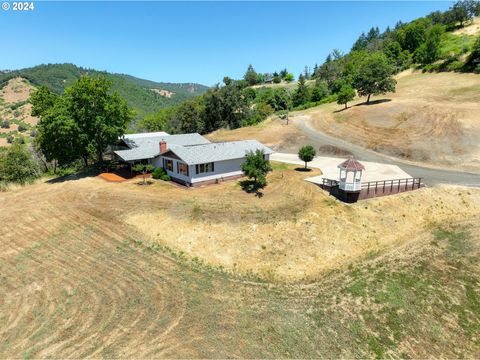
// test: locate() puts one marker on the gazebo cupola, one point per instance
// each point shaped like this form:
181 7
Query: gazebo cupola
351 175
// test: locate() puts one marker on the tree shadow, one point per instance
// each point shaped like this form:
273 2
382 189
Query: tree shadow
251 187
342 109
374 102
73 177
302 169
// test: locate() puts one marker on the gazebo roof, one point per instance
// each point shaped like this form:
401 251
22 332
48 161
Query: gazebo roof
351 164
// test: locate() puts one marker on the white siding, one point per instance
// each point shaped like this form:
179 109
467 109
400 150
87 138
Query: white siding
158 162
223 169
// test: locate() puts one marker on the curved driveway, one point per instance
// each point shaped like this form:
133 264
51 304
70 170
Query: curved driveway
431 176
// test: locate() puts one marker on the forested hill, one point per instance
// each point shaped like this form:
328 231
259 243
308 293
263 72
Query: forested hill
142 95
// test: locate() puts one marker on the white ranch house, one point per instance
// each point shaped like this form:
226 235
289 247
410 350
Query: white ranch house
189 159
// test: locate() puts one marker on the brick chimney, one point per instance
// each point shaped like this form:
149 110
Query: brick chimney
163 146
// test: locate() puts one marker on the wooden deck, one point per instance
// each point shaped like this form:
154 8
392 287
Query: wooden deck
372 189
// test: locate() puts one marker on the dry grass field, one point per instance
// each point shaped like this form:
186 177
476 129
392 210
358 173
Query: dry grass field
272 132
90 268
432 119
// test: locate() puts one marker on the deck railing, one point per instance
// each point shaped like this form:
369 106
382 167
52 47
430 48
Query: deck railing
382 185
395 185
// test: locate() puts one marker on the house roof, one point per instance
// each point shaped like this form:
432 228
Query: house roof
147 146
351 164
205 153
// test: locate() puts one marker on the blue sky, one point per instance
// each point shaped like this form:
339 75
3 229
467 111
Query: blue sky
192 42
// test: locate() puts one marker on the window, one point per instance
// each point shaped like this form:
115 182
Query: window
168 164
182 168
204 168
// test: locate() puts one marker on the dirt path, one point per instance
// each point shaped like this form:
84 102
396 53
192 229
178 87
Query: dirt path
431 176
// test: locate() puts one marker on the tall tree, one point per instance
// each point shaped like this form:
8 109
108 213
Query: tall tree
320 90
374 76
428 52
84 121
59 136
102 116
361 43
301 94
373 34
251 76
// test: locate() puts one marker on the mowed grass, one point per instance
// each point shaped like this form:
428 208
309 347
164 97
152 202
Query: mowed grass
77 281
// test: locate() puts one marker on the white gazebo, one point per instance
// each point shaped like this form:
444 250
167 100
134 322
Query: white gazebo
351 175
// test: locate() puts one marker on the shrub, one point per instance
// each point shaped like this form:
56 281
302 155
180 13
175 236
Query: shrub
17 165
10 139
22 128
17 105
158 173
165 177
17 113
455 66
5 124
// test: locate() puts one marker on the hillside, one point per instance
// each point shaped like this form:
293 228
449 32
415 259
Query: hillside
139 93
79 278
15 111
432 119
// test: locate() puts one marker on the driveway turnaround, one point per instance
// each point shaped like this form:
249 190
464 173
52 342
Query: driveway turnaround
328 165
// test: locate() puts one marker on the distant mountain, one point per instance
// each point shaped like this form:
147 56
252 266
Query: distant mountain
144 96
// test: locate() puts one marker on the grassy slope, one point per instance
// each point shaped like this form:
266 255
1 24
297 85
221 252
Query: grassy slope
139 97
15 109
76 281
432 118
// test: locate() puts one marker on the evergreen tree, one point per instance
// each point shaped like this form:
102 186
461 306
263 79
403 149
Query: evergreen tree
361 43
251 76
301 94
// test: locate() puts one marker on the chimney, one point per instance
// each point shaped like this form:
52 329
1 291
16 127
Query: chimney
163 146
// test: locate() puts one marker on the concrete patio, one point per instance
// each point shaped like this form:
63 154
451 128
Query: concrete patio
328 165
